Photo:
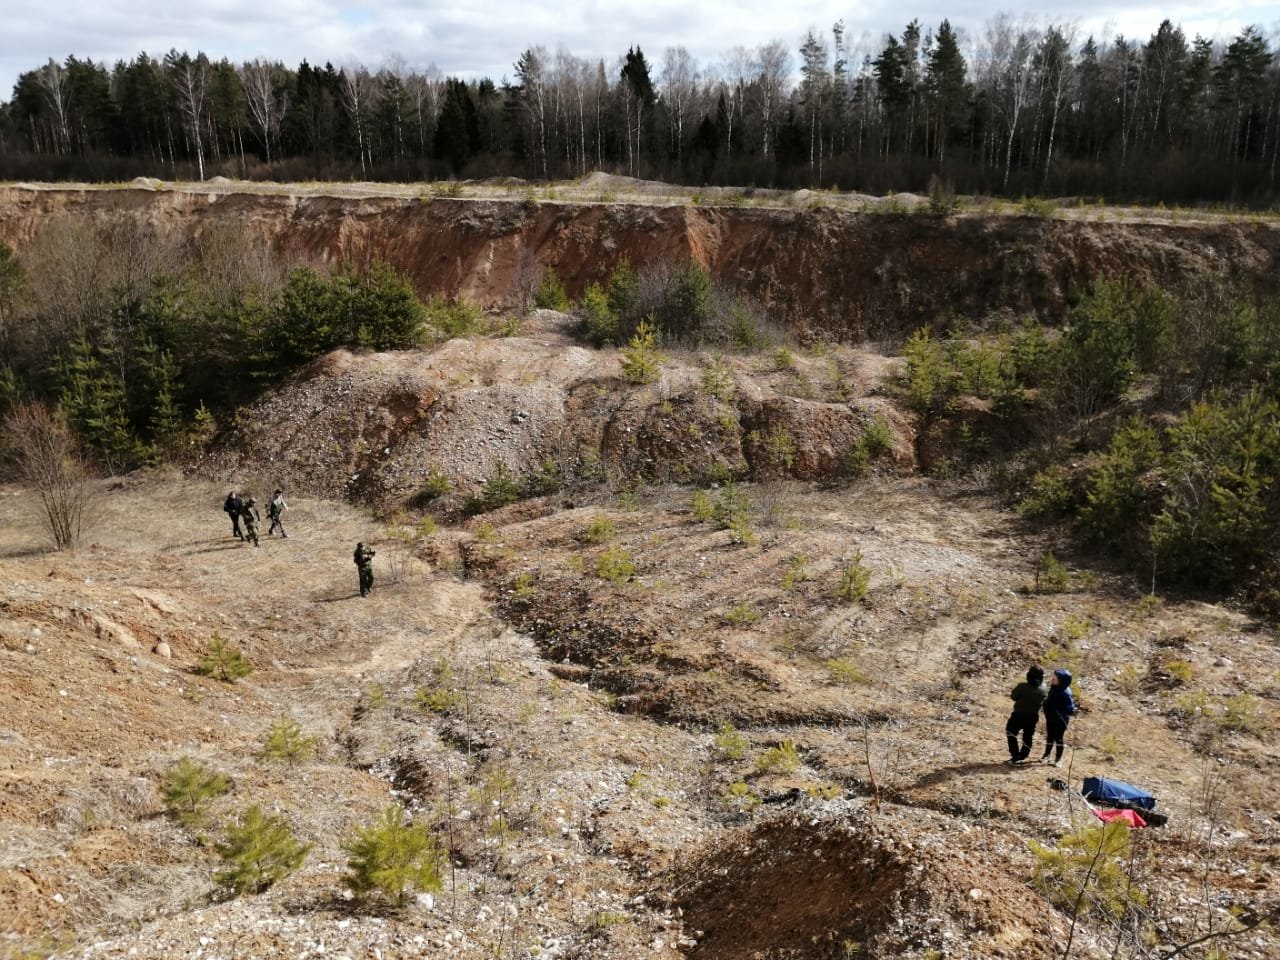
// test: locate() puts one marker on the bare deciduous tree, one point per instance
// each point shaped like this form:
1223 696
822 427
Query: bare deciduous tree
268 102
1005 72
772 67
46 456
358 94
52 80
679 80
190 78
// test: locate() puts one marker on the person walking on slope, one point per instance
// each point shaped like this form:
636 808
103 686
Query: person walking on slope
1059 708
1027 698
275 513
364 566
232 507
249 514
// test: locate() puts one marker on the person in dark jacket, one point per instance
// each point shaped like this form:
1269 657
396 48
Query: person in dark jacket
1059 708
232 507
1027 698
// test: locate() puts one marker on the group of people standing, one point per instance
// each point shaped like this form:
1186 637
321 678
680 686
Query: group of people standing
243 512
245 519
1031 697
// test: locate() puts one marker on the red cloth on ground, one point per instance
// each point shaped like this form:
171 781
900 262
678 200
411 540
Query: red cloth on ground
1130 817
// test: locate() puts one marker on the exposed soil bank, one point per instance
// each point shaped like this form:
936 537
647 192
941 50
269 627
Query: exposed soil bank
847 274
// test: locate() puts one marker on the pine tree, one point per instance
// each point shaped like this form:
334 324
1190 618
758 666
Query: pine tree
94 400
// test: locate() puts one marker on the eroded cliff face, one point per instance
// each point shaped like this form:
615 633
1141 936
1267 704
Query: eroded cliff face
850 275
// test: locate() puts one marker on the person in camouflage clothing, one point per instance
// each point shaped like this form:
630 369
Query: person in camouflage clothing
249 514
275 513
364 566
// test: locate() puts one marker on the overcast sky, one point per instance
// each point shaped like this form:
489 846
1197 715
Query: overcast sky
484 37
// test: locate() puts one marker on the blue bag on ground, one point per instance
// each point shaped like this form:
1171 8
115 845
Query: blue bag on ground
1113 793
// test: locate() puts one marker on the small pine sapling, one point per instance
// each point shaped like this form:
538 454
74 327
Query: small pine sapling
391 856
259 851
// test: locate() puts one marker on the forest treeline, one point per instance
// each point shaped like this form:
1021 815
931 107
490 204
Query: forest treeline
1021 110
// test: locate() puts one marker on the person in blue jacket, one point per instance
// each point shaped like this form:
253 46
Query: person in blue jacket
1027 698
1059 708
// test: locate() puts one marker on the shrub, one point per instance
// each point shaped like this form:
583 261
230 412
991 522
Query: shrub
796 573
599 530
641 360
1050 495
550 294
744 331
286 743
877 438
522 587
223 662
930 384
776 450
438 699
1087 871
500 488
729 743
259 851
1096 356
1052 575
442 694
548 479
188 788
688 309
701 506
844 672
45 455
1129 679
1037 207
383 306
615 565
942 197
740 615
454 317
855 581
780 759
437 484
718 381
391 857
624 291
740 796
599 321
1242 713
1179 671
1118 499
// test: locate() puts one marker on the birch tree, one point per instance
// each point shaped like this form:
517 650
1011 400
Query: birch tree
1056 69
268 100
190 79
1008 76
357 90
772 66
679 80
52 80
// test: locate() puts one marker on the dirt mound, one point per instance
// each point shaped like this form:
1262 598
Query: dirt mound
375 427
836 882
